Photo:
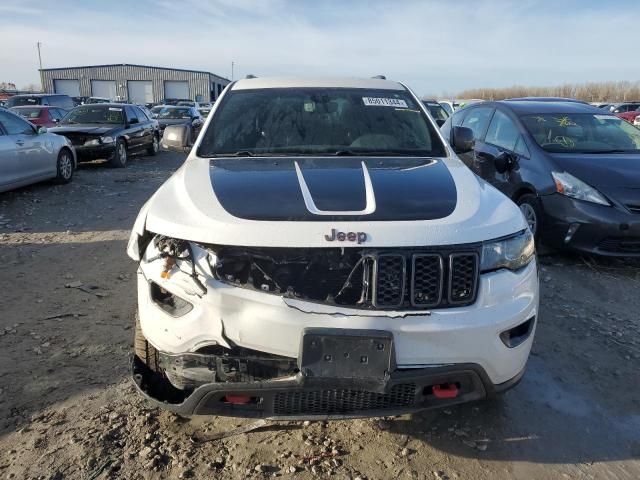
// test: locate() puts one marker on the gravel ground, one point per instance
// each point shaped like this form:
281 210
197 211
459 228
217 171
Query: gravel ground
69 411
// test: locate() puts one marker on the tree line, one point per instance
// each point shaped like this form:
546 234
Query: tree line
620 91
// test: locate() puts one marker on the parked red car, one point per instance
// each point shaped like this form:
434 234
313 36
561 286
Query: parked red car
629 116
43 116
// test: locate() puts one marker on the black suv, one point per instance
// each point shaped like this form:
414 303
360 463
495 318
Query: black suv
51 99
573 169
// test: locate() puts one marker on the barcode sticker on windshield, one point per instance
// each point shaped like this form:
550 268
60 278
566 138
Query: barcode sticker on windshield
384 102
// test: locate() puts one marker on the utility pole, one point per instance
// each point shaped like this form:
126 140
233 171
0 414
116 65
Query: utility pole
40 60
232 63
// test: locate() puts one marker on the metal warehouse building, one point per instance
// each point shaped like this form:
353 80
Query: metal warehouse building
133 83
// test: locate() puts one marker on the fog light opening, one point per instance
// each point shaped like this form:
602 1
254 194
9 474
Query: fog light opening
573 228
240 399
167 301
517 335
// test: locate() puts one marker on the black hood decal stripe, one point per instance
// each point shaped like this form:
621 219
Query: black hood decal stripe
334 189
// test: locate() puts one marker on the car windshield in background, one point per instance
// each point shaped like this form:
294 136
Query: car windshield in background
28 112
338 121
174 113
95 114
436 111
582 133
187 104
23 101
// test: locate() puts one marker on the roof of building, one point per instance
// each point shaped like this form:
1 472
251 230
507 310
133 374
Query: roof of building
134 65
323 82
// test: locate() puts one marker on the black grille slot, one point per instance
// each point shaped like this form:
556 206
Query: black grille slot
390 280
318 402
463 277
620 245
426 280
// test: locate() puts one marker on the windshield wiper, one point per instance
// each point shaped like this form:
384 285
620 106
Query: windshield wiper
379 153
613 150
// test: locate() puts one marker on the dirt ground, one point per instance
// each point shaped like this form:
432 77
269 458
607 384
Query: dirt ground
69 411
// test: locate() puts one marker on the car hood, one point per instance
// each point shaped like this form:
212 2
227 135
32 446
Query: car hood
602 170
265 202
89 129
172 121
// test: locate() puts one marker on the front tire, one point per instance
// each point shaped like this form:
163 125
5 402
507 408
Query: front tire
532 212
64 166
154 148
144 350
121 155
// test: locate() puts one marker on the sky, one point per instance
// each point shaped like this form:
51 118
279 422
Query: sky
435 47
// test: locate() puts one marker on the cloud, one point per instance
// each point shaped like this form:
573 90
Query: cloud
432 46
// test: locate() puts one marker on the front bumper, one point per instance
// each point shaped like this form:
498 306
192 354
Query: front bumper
95 152
600 229
301 397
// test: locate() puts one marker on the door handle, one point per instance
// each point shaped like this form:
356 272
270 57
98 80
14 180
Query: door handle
20 142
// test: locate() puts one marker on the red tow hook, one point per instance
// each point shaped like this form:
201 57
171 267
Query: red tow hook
237 399
445 390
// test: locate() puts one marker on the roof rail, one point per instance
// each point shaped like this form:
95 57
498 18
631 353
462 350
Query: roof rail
250 76
380 77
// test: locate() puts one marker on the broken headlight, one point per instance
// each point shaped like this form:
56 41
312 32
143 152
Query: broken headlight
512 252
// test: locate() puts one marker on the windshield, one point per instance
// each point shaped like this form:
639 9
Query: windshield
436 111
173 113
582 133
95 114
20 101
340 121
156 109
188 104
28 112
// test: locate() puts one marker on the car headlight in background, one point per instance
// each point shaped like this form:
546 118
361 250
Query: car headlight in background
567 184
98 141
512 252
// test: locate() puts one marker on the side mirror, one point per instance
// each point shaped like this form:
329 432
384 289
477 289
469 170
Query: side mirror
440 122
504 162
462 140
41 130
176 138
133 121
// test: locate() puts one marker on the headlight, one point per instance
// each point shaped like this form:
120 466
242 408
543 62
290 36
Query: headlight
95 141
107 139
567 184
512 253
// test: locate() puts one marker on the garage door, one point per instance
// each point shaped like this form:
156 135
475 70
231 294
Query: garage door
67 87
140 91
174 89
103 88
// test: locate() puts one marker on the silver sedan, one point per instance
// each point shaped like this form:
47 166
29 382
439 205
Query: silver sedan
28 154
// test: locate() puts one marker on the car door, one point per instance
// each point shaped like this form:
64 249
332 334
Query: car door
504 138
477 119
10 171
147 127
34 156
135 130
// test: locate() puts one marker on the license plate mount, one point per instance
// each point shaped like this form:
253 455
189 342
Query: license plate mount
346 353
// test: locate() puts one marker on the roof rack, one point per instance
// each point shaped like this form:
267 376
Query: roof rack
379 77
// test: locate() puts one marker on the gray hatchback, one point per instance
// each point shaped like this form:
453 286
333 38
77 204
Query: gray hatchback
29 154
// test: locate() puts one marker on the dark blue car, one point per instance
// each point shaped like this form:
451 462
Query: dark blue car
573 169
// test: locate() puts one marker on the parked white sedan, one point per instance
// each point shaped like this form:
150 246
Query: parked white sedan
28 154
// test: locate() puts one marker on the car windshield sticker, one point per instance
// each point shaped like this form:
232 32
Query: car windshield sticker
115 109
384 102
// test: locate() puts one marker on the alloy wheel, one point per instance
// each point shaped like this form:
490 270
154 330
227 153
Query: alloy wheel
530 216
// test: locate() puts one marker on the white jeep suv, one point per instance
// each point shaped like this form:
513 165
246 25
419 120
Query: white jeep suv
323 253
